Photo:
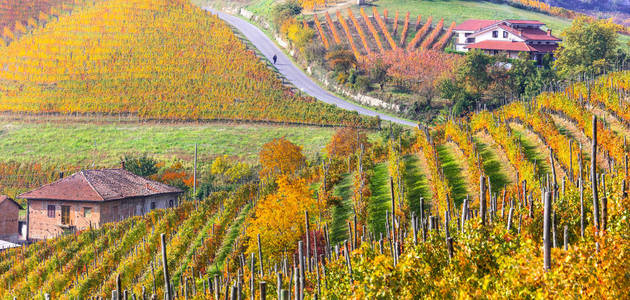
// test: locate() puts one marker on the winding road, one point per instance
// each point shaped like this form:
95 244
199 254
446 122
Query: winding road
294 74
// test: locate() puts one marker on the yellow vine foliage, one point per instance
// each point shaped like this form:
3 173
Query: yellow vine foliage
158 59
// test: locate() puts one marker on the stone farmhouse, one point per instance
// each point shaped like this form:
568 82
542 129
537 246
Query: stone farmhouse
508 36
91 198
9 219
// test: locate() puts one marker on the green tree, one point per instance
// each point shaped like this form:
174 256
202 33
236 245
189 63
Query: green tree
140 165
474 71
282 12
587 46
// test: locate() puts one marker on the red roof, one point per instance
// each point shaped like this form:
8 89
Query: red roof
100 185
537 35
533 22
474 25
500 45
544 48
6 198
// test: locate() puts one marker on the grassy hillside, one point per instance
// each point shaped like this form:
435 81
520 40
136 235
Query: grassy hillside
158 59
461 10
78 143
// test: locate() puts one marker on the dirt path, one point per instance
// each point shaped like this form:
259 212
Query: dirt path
616 125
540 148
494 151
570 129
460 158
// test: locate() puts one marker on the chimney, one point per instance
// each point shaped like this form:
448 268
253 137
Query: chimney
549 32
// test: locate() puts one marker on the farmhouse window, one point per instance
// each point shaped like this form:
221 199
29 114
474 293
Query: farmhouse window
51 211
87 212
495 34
152 205
170 203
65 215
470 40
505 34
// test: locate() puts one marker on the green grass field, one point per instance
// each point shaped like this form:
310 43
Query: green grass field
461 10
104 144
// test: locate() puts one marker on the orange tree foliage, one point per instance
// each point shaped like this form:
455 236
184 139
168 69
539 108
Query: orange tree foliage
420 34
280 157
371 28
434 34
279 218
360 32
346 29
346 142
333 28
439 45
158 59
403 36
383 26
420 69
322 35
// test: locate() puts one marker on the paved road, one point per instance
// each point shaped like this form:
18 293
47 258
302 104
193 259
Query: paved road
294 74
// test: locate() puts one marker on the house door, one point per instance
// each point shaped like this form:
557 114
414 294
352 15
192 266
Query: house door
65 215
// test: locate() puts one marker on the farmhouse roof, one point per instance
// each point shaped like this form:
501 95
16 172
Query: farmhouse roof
474 25
100 185
533 22
500 45
7 198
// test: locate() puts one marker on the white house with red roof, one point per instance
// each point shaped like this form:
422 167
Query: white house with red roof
508 36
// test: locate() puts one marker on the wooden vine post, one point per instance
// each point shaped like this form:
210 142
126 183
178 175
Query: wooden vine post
482 200
547 231
167 281
594 175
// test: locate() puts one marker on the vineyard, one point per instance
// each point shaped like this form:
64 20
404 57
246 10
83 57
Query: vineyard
377 33
156 59
385 217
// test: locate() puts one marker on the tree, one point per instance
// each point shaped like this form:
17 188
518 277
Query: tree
588 46
474 71
141 165
341 60
282 12
346 141
279 218
280 157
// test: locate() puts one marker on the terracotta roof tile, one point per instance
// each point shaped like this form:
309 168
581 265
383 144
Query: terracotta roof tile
535 22
100 185
474 25
500 45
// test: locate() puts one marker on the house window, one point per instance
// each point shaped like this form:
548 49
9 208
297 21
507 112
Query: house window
467 34
170 203
152 205
51 211
87 212
470 40
65 215
505 34
495 34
